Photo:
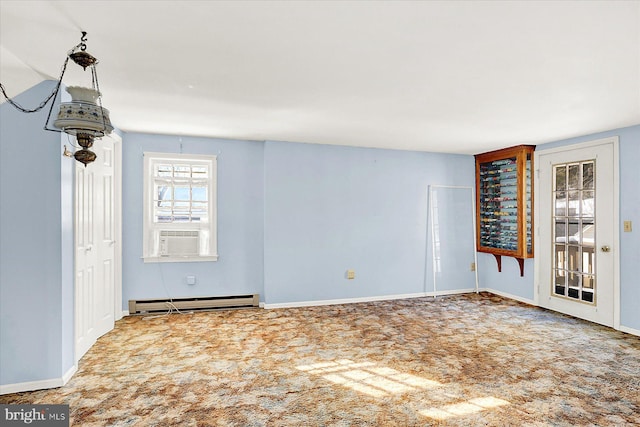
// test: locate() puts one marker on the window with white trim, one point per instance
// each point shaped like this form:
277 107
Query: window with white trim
179 208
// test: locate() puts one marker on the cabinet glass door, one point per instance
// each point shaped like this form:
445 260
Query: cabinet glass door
499 204
529 206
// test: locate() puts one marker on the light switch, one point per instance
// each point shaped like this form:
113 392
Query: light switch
351 274
627 226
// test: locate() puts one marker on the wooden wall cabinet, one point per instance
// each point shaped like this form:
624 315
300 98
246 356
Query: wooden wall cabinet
504 203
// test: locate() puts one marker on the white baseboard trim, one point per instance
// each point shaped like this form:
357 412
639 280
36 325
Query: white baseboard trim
510 296
67 376
392 297
628 330
125 313
341 301
364 299
454 292
39 385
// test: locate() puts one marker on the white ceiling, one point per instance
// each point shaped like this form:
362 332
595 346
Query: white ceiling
458 77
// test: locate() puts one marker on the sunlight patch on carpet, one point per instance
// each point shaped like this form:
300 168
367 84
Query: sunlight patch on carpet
368 378
464 408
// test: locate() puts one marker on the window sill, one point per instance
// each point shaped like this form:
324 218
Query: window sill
181 259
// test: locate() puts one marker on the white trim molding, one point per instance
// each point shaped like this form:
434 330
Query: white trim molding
365 299
510 296
342 301
39 385
393 297
631 331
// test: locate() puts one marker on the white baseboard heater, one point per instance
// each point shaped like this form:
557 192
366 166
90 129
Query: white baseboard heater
146 306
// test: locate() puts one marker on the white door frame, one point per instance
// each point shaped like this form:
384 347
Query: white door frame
117 196
614 141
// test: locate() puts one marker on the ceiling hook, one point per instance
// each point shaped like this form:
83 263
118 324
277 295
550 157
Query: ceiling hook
83 39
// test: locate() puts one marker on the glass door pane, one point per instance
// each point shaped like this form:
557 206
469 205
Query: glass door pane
574 237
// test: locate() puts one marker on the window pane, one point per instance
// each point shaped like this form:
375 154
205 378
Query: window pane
182 171
199 193
588 233
573 233
587 175
561 231
164 171
561 203
561 177
163 192
573 280
574 203
588 281
560 286
182 192
200 172
199 212
587 260
162 215
574 177
573 258
181 215
587 207
560 254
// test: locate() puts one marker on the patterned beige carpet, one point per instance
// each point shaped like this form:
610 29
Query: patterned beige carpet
466 360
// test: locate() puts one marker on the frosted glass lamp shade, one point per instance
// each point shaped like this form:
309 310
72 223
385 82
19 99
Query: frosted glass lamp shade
83 114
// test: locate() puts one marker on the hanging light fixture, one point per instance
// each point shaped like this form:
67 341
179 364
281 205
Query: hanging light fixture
83 117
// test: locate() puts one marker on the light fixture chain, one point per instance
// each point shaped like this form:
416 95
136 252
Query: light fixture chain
53 94
96 86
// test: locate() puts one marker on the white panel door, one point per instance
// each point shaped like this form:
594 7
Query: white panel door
85 259
577 244
95 247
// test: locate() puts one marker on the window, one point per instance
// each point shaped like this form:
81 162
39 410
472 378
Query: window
179 208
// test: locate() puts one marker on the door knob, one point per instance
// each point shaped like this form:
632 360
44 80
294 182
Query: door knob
605 249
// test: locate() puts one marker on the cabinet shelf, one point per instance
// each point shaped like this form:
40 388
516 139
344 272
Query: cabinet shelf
504 199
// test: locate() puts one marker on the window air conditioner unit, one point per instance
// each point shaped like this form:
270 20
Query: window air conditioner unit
179 243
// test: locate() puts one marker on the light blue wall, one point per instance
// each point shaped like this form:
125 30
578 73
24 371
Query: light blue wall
509 281
332 208
36 246
292 219
325 209
239 268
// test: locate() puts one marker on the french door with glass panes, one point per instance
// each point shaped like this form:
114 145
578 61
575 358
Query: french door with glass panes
576 218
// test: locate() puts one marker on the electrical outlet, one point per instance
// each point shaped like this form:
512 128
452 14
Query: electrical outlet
351 274
473 266
627 226
191 280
